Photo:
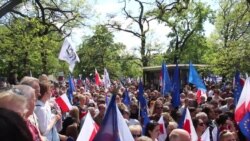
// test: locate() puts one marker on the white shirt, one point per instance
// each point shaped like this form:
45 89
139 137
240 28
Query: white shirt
44 116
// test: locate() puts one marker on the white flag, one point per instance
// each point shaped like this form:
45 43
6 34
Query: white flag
106 79
68 54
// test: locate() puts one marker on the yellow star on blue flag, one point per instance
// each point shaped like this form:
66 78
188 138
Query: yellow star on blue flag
244 125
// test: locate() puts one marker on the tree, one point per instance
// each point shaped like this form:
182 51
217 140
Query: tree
231 43
41 25
187 29
99 51
57 16
8 6
141 22
22 52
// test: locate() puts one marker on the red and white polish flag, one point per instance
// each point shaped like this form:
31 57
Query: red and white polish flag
163 131
243 105
64 103
189 127
97 78
89 129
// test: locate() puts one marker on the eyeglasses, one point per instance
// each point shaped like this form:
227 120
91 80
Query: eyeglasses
136 136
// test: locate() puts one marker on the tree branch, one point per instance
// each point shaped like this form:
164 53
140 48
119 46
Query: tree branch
126 30
8 6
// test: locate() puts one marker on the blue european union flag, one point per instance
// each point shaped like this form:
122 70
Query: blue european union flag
244 125
71 89
176 87
166 83
143 107
238 87
109 127
181 121
126 98
194 78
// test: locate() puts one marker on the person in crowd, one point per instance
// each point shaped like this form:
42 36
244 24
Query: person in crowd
158 108
71 124
199 126
134 110
229 102
82 105
29 93
216 95
82 90
98 119
33 82
203 117
16 103
45 118
13 127
171 126
227 136
152 130
136 131
179 135
144 138
126 115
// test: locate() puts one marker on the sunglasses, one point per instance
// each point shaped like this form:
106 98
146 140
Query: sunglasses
136 136
201 124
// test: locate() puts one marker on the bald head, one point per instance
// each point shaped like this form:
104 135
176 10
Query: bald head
180 134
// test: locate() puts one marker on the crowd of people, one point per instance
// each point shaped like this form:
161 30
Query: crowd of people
28 111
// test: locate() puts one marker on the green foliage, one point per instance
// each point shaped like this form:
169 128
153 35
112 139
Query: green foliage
99 51
22 50
230 45
187 35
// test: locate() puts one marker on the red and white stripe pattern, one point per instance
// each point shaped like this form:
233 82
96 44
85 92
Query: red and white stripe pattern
89 129
189 127
64 103
163 131
200 93
243 104
97 78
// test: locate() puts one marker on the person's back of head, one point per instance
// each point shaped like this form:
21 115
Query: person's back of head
144 138
13 101
27 80
13 127
180 135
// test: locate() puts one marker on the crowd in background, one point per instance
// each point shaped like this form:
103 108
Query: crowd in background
28 111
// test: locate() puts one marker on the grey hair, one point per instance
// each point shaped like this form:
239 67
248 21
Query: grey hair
201 114
25 90
27 80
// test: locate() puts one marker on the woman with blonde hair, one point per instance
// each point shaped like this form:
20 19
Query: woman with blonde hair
226 135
